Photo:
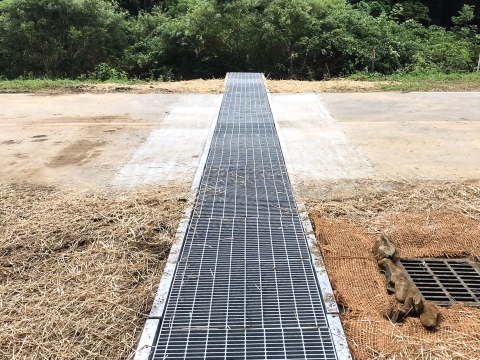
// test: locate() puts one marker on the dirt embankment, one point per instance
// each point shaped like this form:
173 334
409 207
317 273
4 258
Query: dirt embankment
200 86
295 86
215 86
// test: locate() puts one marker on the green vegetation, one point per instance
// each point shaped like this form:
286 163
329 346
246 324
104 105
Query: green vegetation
422 82
100 40
33 85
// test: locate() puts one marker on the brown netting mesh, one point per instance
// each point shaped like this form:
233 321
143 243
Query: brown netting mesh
346 240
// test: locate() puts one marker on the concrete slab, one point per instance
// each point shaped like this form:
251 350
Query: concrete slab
413 135
317 146
84 140
380 135
172 152
90 140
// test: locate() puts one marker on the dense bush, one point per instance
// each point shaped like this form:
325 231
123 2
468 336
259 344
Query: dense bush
175 39
58 38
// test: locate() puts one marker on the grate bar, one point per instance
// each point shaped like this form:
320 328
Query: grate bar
245 285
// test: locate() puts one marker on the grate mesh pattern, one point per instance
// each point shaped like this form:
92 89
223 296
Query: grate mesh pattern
445 281
245 285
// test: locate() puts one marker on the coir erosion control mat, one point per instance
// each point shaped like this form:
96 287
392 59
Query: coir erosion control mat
360 286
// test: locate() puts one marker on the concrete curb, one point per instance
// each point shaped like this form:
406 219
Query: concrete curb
152 325
331 307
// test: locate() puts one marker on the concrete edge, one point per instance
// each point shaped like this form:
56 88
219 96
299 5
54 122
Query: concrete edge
147 339
338 337
150 330
317 260
332 310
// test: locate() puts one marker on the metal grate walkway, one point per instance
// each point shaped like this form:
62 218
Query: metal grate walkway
245 286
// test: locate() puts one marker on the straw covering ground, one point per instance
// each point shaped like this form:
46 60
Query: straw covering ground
79 271
425 219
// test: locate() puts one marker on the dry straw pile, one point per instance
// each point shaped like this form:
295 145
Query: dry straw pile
425 220
79 270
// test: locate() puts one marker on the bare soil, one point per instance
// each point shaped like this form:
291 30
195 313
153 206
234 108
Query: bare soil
296 86
213 86
359 86
200 86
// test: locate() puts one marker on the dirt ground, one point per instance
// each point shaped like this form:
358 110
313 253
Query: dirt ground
213 86
295 86
359 86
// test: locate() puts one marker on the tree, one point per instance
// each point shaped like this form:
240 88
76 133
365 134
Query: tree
58 38
435 12
135 7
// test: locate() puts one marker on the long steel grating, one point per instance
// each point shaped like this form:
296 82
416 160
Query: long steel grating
245 286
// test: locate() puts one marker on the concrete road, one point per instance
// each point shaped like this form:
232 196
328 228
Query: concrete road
94 140
381 135
132 139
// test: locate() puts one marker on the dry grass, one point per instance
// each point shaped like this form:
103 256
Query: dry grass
296 86
444 345
425 219
79 270
370 202
200 86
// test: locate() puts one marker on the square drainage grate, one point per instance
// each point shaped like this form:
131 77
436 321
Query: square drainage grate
445 281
